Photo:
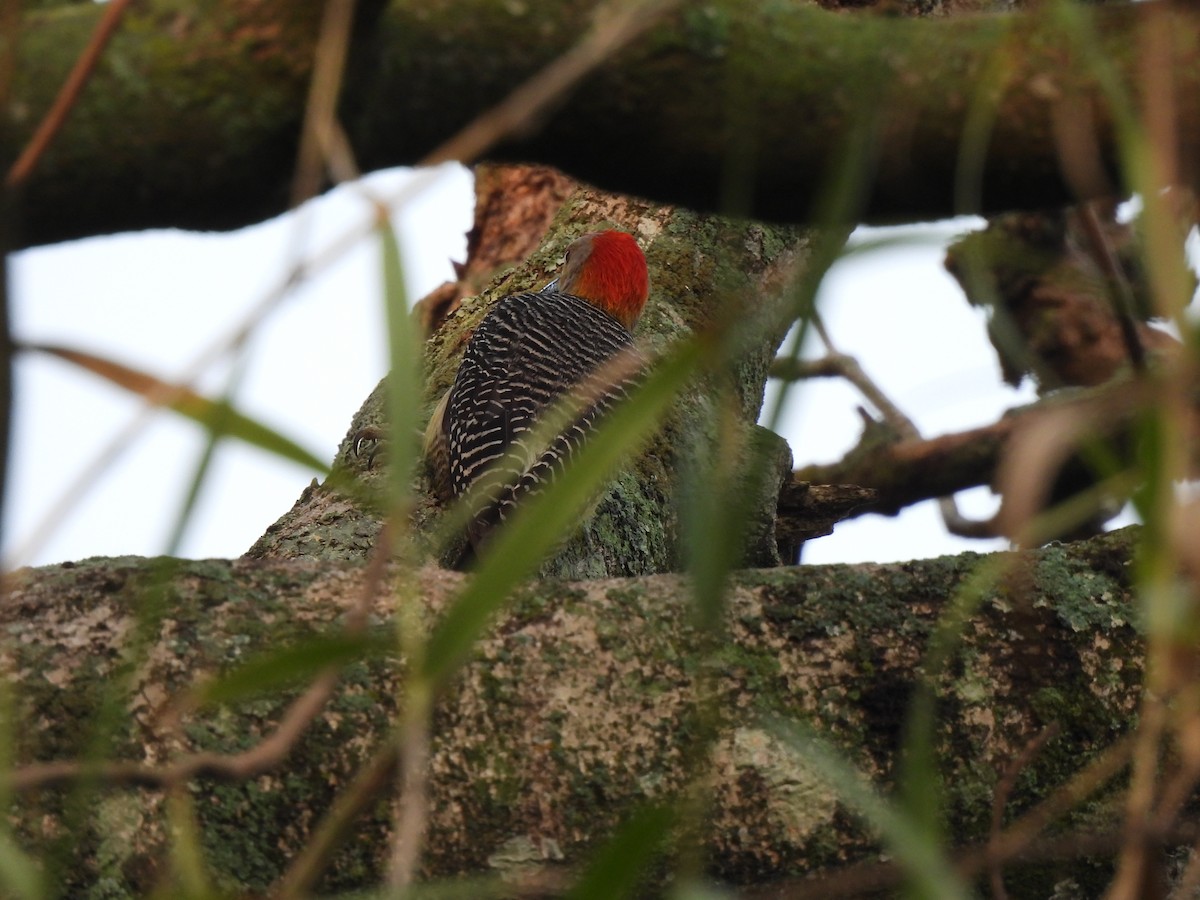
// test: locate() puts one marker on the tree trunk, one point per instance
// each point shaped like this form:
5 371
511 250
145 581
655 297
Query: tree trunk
705 272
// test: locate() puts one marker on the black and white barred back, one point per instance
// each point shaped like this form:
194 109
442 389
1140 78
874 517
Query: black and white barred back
530 352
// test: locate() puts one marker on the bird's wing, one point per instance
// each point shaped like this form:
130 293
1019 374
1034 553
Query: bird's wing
527 355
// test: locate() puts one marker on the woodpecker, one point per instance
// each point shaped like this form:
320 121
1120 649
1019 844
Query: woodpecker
571 340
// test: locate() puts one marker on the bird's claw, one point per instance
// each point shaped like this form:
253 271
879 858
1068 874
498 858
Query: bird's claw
367 442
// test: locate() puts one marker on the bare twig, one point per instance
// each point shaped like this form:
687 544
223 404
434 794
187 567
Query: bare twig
849 369
307 865
1016 844
962 525
1177 792
221 767
844 366
412 812
1135 859
866 878
787 368
68 95
1019 835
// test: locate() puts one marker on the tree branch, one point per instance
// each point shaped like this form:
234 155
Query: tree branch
766 85
907 472
575 709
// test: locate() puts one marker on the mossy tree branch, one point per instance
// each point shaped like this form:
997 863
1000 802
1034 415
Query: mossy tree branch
191 120
579 706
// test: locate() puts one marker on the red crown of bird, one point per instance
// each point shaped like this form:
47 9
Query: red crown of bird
608 269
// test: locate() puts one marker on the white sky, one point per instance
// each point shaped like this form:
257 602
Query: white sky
157 300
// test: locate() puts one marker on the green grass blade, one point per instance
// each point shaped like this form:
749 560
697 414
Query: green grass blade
725 485
217 430
619 867
223 418
20 876
217 416
404 379
287 666
912 845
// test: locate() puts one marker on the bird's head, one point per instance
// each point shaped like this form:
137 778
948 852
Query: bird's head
608 269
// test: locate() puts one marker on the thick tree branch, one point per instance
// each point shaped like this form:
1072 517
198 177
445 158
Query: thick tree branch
907 472
191 120
578 707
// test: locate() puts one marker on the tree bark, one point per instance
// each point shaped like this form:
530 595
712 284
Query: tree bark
584 702
191 120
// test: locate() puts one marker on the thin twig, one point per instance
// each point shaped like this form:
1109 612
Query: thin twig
1021 833
1178 791
411 809
786 368
1135 858
840 364
865 878
243 766
308 864
850 369
962 525
853 372
412 805
68 95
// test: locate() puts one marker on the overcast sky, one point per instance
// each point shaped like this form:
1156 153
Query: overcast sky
157 300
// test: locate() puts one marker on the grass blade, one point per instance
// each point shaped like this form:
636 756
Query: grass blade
287 666
917 850
404 379
618 868
217 416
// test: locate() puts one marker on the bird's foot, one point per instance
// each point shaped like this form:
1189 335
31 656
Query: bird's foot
368 442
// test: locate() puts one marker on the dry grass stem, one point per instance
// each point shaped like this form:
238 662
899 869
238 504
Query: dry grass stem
323 144
68 95
616 25
1000 799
